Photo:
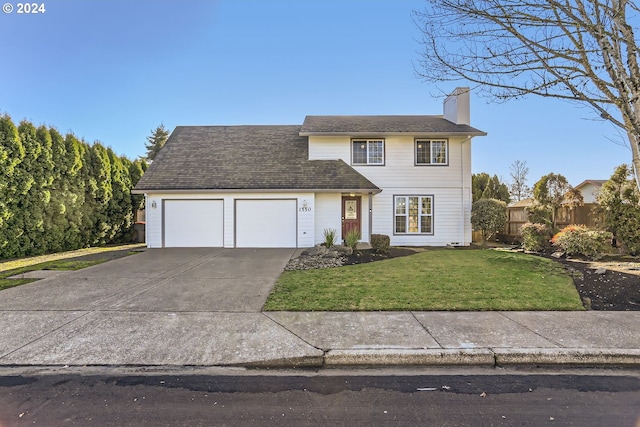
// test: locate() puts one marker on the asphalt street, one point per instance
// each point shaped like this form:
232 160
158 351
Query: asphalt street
328 397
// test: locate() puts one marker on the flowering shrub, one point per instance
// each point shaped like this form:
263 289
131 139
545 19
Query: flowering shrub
535 237
581 240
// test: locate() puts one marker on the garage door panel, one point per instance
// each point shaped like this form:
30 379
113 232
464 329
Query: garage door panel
193 223
266 223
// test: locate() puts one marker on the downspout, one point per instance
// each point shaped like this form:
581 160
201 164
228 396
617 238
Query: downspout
146 212
370 214
464 222
462 191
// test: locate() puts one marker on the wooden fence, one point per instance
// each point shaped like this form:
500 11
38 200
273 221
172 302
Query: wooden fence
517 216
582 215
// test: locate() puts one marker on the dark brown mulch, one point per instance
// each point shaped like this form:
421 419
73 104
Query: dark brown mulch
369 255
612 291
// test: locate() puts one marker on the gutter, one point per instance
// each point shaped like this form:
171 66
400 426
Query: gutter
254 190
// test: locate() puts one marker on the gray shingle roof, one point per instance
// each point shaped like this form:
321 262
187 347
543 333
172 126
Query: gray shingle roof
245 158
381 125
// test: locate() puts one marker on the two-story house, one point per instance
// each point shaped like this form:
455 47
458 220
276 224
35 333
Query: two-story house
408 177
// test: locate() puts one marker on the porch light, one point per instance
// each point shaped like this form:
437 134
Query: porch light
153 205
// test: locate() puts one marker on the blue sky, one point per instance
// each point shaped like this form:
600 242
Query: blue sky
113 70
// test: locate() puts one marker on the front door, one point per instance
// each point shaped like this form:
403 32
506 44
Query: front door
350 214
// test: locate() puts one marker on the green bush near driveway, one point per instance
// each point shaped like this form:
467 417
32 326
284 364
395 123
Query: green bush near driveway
438 279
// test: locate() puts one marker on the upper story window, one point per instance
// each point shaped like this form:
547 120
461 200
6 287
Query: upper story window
432 152
367 152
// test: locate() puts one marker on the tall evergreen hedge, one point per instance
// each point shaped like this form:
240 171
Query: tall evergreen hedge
58 193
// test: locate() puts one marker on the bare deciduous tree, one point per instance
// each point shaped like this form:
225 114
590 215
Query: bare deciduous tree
577 50
518 188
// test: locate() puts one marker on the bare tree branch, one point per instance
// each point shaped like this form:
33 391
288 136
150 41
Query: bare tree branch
577 50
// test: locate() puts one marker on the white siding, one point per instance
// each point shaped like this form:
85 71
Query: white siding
449 184
306 220
590 192
328 215
329 148
153 226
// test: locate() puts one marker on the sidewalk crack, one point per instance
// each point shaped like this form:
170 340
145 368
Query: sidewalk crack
426 329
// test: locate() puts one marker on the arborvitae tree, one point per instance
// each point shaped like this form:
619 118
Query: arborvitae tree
156 141
101 173
61 193
12 153
57 215
119 211
619 199
136 169
488 187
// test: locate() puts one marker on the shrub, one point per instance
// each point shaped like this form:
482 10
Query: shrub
329 235
380 243
352 238
535 237
539 214
489 215
581 240
619 200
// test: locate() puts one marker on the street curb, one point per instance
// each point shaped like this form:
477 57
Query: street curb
567 356
399 357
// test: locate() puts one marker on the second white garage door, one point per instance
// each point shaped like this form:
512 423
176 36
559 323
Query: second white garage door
193 223
266 223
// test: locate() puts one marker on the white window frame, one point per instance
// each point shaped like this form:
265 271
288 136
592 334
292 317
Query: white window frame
369 142
431 152
397 213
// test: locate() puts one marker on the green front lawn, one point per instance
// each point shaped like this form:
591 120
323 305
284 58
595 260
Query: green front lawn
64 265
438 279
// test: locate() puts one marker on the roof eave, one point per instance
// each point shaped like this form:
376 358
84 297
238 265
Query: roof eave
255 190
417 134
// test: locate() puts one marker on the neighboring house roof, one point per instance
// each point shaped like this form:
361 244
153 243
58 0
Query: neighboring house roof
384 125
524 203
594 182
245 158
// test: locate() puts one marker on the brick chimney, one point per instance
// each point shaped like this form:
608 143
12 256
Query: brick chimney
456 107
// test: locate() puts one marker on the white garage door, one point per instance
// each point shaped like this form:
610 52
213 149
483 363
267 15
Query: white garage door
266 224
193 223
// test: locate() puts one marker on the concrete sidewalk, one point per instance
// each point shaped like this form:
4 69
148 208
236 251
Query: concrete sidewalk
319 339
201 307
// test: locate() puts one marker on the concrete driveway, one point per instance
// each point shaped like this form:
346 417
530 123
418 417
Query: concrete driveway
160 280
183 306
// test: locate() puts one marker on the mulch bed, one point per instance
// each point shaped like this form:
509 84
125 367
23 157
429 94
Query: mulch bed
369 255
611 291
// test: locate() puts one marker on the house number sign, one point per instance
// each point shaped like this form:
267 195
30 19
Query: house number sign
305 207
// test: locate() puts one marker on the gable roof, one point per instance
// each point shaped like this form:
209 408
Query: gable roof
384 125
594 182
245 158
